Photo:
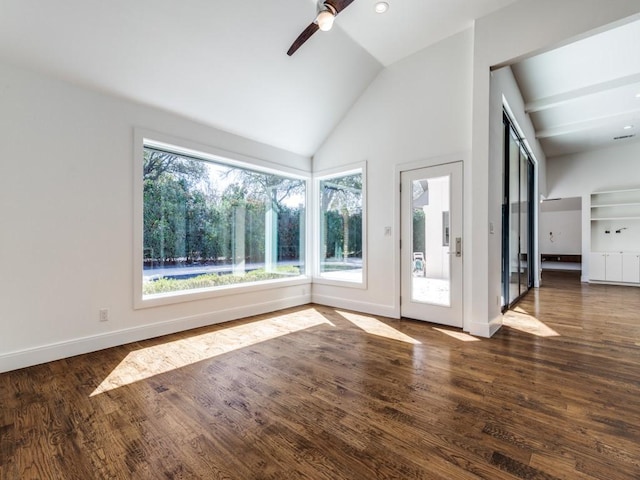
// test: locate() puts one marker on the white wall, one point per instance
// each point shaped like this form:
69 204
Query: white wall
66 204
584 173
579 175
523 28
561 232
416 109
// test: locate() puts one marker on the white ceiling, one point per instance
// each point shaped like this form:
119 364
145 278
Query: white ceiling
582 95
223 63
410 25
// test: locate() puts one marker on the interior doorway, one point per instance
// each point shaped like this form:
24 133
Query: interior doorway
560 235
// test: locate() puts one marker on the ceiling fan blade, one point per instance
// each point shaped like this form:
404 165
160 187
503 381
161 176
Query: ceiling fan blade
303 37
339 5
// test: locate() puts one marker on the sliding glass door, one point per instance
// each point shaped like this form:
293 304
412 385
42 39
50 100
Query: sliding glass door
517 218
512 162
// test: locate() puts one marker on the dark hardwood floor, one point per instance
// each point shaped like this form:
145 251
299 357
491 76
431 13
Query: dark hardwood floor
320 393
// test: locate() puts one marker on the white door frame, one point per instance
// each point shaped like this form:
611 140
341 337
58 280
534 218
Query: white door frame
425 163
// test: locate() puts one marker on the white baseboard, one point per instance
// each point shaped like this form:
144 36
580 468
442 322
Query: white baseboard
486 330
78 346
621 284
363 307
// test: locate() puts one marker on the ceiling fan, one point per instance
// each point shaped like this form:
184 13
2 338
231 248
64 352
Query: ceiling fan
327 11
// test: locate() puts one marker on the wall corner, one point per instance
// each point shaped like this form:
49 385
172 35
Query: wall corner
486 330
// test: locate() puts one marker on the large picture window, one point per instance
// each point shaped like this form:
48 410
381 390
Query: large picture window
211 225
341 227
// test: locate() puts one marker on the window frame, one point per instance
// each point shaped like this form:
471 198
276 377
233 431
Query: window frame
345 170
144 138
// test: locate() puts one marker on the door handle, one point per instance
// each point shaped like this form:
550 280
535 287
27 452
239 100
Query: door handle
458 251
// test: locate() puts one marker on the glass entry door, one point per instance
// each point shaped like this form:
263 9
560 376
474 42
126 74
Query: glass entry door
431 249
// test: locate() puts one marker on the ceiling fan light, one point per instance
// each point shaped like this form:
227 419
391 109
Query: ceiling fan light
381 7
325 20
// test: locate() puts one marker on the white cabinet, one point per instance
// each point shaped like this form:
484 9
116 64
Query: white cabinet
597 267
631 267
615 236
613 267
606 266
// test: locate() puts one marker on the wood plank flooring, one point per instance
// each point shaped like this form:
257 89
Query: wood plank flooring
321 393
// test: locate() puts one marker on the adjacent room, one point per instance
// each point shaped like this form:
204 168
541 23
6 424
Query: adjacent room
335 239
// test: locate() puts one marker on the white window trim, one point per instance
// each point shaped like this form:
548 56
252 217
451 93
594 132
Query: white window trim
144 137
359 167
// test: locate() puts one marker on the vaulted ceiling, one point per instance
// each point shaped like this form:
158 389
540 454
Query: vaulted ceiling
411 25
223 63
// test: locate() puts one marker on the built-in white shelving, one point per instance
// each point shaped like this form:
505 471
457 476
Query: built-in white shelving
615 237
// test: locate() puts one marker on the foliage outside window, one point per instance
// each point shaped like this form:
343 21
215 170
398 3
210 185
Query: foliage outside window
341 227
208 224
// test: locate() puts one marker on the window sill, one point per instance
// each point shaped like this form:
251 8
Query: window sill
160 299
339 283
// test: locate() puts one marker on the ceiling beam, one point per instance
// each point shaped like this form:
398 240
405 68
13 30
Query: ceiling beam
572 95
590 124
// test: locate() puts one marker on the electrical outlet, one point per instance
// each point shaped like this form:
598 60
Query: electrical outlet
104 314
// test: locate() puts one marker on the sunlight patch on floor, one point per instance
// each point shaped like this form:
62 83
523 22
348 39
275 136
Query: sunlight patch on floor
464 337
374 326
518 319
147 362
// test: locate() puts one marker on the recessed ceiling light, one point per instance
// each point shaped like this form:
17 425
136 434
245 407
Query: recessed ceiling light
381 7
628 127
